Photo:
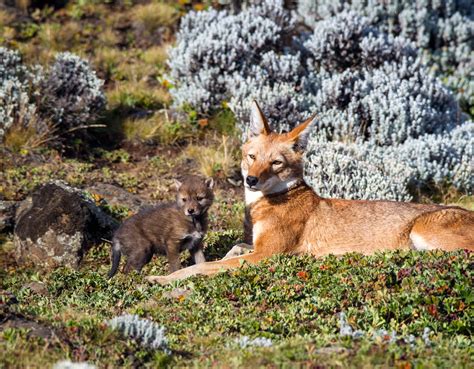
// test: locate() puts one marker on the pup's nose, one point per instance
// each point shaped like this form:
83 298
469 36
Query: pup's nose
191 211
251 181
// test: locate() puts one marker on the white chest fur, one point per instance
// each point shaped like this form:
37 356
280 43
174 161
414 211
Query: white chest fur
257 231
252 196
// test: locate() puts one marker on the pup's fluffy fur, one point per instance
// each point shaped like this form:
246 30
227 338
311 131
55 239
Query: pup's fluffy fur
167 228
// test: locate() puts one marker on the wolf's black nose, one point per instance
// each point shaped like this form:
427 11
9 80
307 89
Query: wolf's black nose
251 181
191 211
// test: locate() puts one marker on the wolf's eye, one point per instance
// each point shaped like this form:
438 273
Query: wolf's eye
251 156
199 198
277 162
184 199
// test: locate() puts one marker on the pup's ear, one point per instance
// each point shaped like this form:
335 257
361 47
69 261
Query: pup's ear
177 184
258 123
300 134
210 183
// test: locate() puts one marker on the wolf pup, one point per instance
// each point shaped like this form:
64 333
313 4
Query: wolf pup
167 228
289 217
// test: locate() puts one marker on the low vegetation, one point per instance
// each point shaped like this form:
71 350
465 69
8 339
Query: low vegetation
410 309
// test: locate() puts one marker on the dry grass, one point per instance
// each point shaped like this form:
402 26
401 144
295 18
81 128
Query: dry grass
132 69
157 128
465 202
108 38
22 139
216 159
35 54
5 18
155 55
60 37
23 5
138 95
107 59
154 15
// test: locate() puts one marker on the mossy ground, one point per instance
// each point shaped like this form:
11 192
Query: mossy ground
294 301
50 315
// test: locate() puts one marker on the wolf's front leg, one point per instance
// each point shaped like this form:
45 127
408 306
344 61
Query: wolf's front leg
208 268
239 249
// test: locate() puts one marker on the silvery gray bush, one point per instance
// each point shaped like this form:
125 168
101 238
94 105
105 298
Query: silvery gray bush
346 330
145 331
68 364
18 89
72 93
443 30
245 342
213 47
68 94
373 96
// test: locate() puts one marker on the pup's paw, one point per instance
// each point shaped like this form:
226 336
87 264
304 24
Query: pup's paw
157 279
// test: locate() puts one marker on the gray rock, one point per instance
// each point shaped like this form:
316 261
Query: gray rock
57 225
115 195
7 215
38 288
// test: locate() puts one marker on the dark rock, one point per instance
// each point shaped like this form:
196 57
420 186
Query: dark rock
34 328
57 224
7 215
115 195
7 298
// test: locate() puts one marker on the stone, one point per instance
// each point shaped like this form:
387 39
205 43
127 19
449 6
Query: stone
37 287
115 195
57 225
7 215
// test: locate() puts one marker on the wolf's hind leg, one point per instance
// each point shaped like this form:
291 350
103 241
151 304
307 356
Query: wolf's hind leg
446 229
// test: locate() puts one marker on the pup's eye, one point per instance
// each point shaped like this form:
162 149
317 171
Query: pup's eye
251 156
199 198
277 162
184 199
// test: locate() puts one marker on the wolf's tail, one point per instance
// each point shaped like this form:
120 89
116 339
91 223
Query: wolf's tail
116 255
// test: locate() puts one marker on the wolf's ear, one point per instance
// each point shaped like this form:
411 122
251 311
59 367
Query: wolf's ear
258 123
300 134
209 183
177 184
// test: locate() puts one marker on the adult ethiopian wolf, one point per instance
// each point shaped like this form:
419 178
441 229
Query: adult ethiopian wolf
288 217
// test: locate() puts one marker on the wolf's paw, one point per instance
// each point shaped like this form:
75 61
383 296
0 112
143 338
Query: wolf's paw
157 279
237 250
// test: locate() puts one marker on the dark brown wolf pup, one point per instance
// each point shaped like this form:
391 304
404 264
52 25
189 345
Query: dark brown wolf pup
167 228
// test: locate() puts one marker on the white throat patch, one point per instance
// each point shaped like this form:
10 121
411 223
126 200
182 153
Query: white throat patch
253 196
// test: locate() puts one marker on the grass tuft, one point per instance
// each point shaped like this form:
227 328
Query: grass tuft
157 128
130 95
219 159
154 15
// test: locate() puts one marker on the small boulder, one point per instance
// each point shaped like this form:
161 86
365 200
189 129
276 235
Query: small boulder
7 215
115 195
57 224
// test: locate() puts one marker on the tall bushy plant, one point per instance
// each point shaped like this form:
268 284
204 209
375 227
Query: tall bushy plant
18 89
443 30
73 94
373 96
40 101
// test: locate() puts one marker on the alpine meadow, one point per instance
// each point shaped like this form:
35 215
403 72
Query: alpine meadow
333 142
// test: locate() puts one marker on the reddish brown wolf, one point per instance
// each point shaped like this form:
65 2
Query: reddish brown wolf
288 217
